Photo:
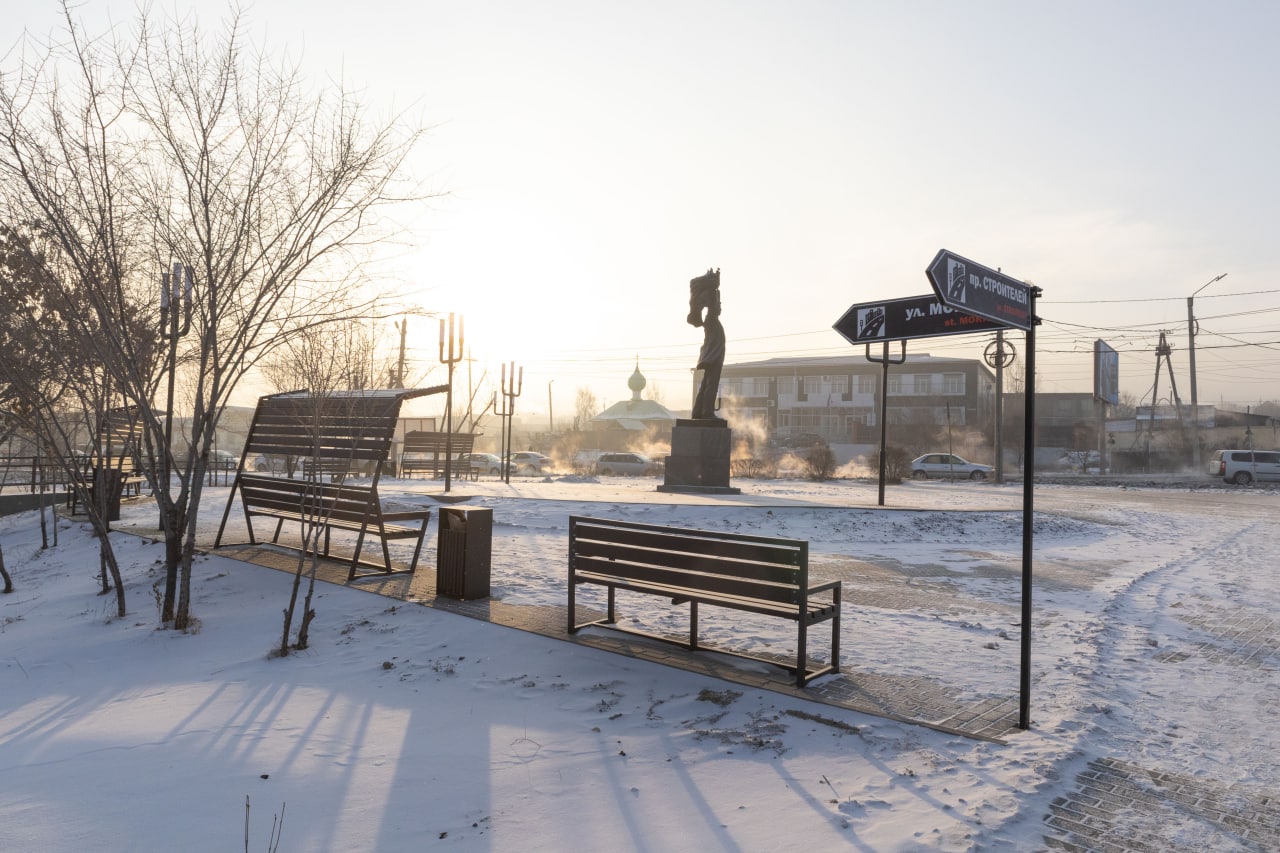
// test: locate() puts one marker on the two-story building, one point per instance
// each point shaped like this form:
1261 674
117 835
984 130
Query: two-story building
839 398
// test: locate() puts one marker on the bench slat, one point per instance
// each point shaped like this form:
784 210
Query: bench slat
815 608
690 559
693 580
739 546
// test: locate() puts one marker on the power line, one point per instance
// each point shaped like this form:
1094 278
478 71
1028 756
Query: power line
1151 299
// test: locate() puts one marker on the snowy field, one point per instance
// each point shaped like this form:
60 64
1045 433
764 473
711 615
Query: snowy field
406 728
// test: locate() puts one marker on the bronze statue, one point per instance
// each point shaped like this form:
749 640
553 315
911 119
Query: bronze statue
704 293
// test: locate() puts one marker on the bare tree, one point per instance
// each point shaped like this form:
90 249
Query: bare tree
162 144
585 407
52 386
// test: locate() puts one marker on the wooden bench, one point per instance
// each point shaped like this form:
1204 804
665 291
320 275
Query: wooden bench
319 508
757 574
334 434
334 469
426 452
131 479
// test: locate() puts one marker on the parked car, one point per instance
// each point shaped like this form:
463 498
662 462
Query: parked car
948 466
483 463
529 462
221 460
1245 466
630 464
271 464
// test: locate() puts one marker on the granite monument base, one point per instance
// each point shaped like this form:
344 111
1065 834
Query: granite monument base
699 460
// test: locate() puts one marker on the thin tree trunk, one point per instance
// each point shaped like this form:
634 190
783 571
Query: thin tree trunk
307 612
8 581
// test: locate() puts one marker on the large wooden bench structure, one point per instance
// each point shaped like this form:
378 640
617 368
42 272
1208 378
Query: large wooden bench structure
115 466
427 452
757 574
334 434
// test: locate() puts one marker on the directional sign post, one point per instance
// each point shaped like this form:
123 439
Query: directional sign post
975 289
904 319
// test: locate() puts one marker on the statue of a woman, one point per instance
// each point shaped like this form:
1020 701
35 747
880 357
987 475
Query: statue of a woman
704 294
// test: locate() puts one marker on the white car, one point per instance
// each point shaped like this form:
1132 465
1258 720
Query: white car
1243 467
482 463
948 466
529 462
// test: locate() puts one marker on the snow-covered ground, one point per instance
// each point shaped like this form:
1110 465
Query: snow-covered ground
1155 650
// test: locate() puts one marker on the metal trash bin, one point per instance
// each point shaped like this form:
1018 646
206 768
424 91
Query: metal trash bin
464 552
108 482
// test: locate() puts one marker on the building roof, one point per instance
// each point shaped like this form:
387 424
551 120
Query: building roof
634 414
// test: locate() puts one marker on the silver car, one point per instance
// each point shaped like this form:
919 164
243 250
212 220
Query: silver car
948 466
632 464
1243 467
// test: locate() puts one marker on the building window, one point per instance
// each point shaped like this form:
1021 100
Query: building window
787 385
922 383
812 384
895 383
839 384
866 385
755 387
953 383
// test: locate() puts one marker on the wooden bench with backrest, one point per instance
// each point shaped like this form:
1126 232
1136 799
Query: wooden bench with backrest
336 433
117 437
426 452
757 574
321 507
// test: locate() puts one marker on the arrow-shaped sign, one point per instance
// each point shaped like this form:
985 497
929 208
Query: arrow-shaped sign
904 319
975 289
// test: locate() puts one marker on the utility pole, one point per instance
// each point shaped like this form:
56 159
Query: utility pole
449 358
1191 359
398 381
551 418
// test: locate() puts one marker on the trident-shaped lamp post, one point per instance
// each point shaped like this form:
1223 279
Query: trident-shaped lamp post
450 357
511 388
175 321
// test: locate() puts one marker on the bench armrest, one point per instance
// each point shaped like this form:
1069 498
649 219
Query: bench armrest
826 586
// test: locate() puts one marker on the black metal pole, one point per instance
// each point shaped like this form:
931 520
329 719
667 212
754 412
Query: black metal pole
1028 512
1000 405
884 405
884 419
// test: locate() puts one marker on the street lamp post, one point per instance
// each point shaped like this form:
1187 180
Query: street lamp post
1191 359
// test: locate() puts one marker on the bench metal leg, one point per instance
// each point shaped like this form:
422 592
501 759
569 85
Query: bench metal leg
835 631
802 654
693 625
417 549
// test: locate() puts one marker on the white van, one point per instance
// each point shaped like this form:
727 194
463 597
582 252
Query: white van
1245 466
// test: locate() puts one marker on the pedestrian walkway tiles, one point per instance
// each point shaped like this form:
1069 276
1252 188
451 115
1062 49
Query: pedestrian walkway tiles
907 699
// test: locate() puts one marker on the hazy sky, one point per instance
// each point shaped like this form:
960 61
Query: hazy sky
598 155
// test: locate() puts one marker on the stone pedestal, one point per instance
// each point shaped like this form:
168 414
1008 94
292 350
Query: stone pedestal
699 460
